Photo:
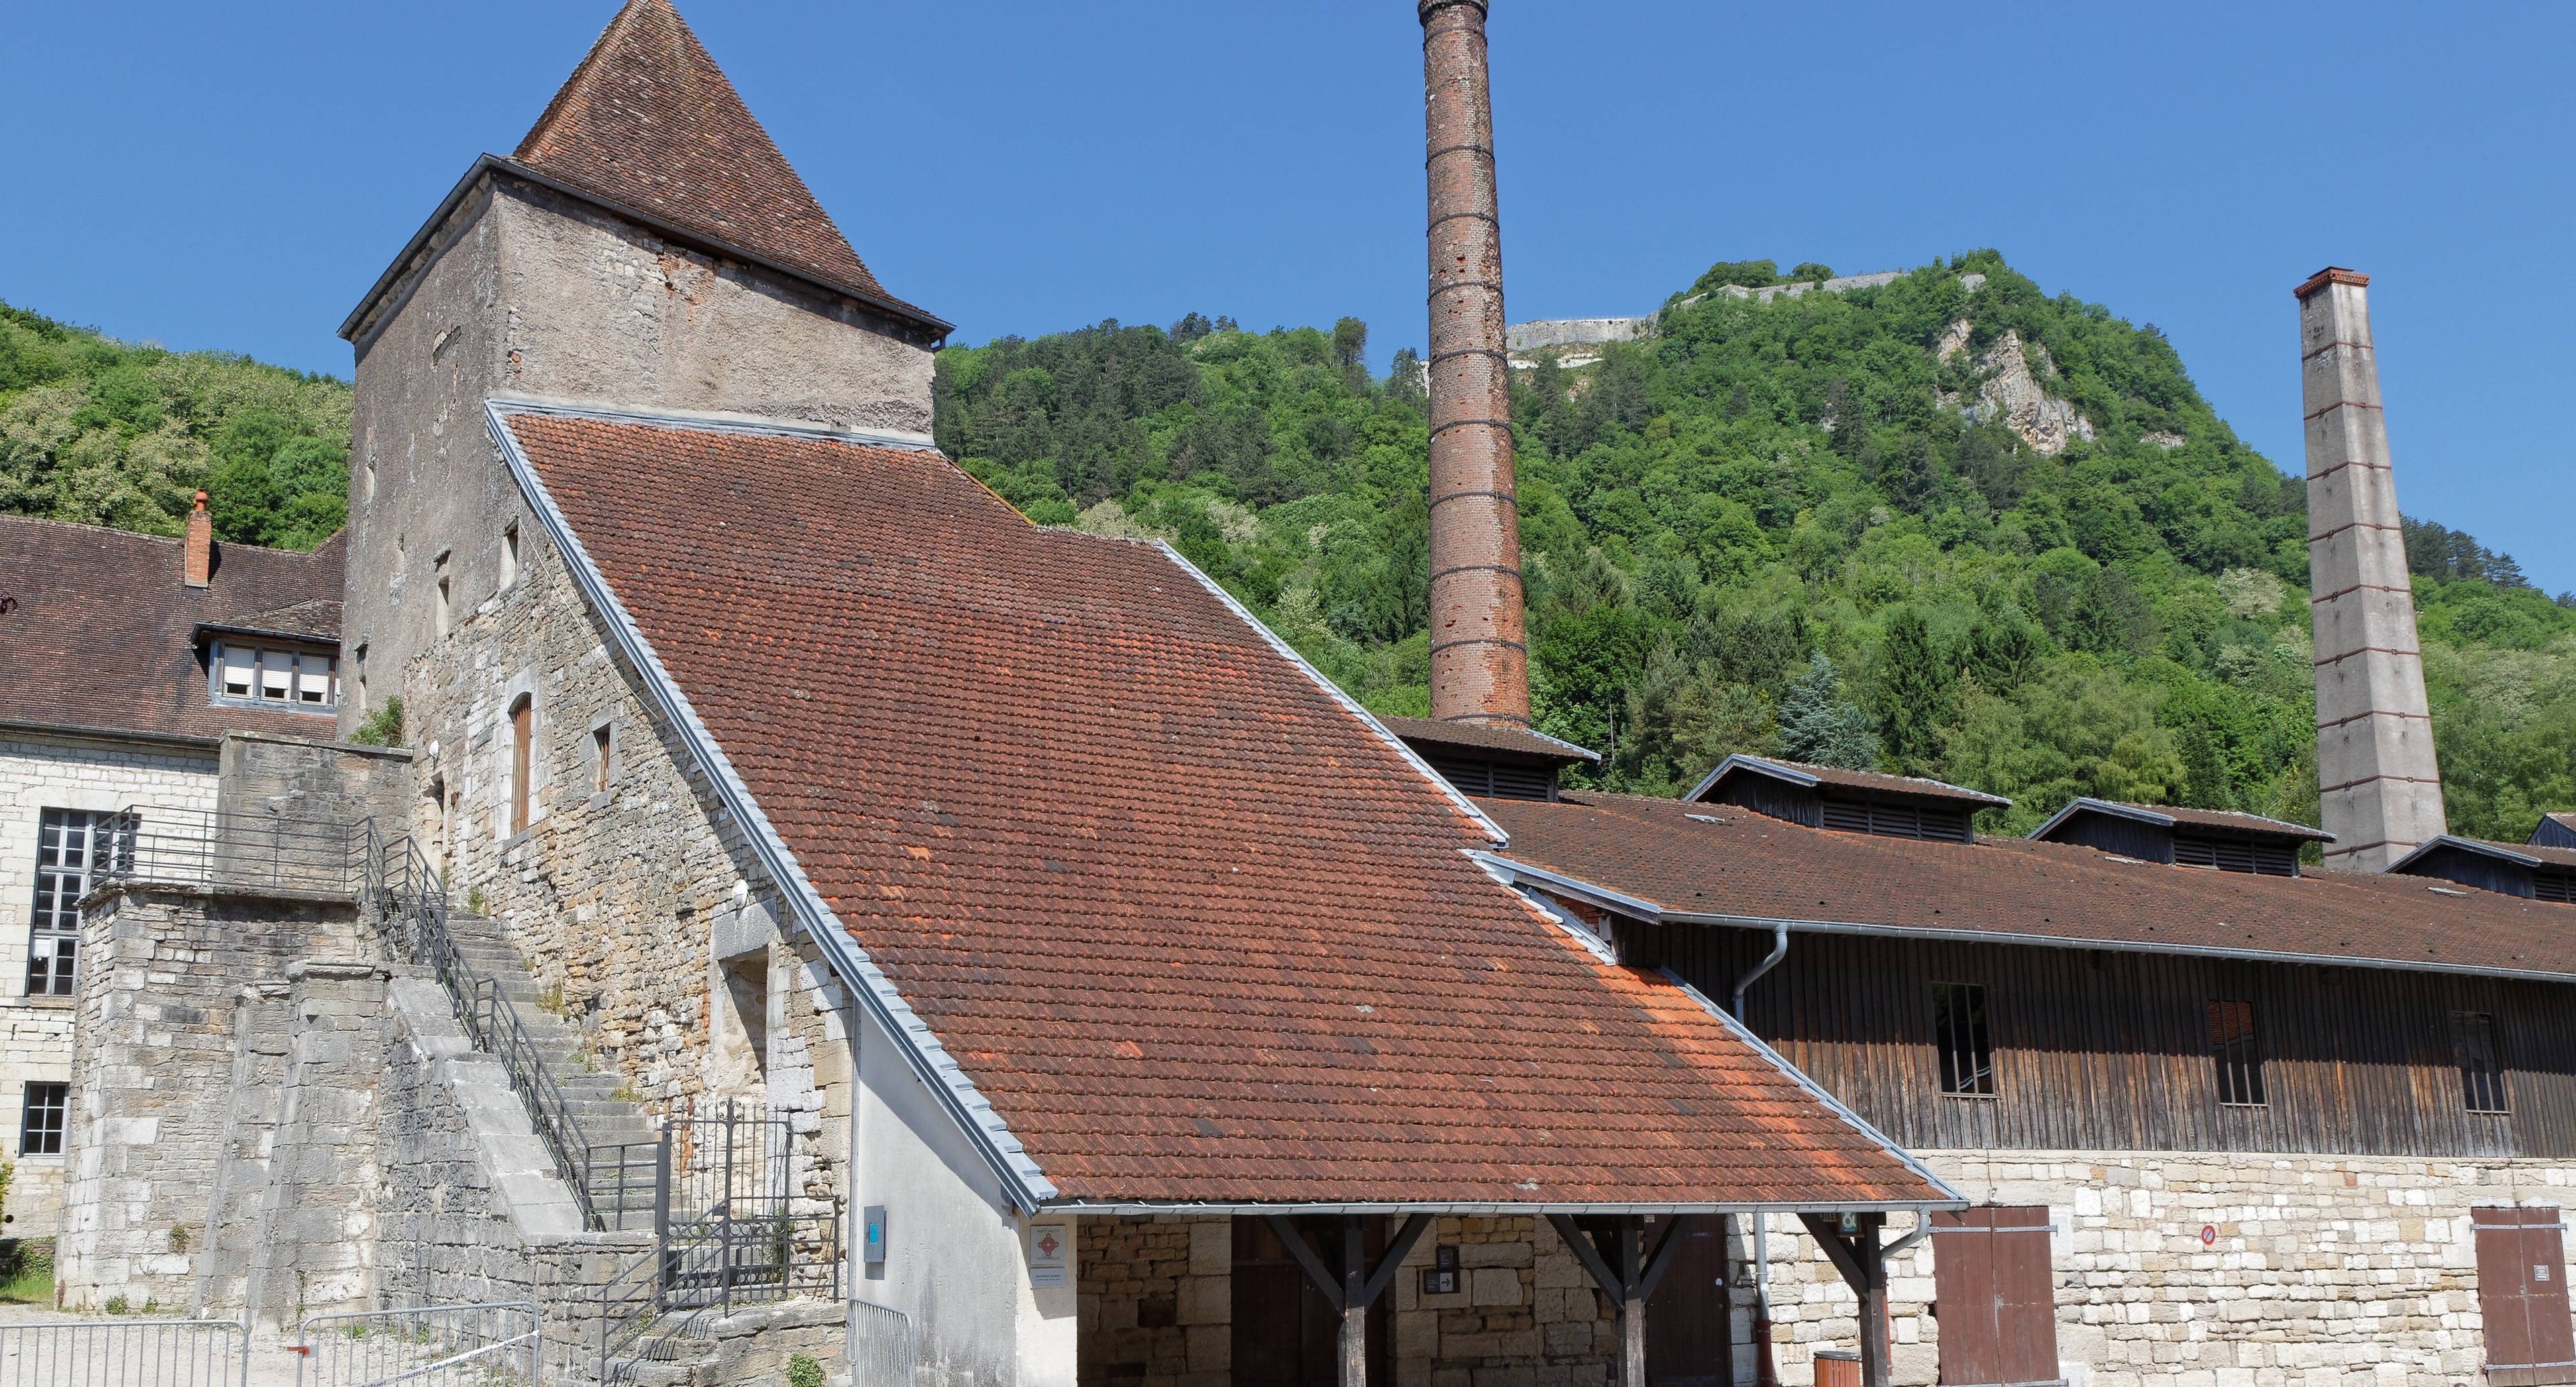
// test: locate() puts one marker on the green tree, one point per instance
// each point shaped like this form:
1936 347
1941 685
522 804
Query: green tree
1819 727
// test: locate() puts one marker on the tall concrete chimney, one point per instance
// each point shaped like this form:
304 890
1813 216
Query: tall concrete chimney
2379 788
1479 659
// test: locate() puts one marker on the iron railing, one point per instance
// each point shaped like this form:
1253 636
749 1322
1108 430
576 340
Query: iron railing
125 1353
879 1351
493 1345
199 847
413 901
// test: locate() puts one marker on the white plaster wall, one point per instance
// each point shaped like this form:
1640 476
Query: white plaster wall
39 773
956 1253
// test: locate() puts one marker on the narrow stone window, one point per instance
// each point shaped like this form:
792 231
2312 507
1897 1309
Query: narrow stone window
510 555
746 980
443 608
2238 1052
522 716
1959 1034
2481 1060
40 1123
600 748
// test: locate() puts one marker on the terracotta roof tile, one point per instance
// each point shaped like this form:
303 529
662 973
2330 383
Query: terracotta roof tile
1911 786
1488 737
649 122
1691 860
103 633
1191 927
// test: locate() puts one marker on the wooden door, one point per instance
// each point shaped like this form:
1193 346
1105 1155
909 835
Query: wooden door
1995 1295
1285 1333
2522 1295
1688 1328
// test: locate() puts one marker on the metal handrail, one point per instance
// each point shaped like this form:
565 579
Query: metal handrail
414 903
200 847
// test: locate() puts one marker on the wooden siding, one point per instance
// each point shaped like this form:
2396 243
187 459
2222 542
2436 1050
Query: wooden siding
2095 1049
2113 833
1777 798
2474 869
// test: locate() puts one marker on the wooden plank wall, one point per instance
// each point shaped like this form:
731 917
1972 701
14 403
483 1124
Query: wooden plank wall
2102 1050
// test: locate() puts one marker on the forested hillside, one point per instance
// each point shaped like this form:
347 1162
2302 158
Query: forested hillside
105 433
1949 526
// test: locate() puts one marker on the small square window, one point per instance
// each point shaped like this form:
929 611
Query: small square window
2238 1053
40 1126
1959 1034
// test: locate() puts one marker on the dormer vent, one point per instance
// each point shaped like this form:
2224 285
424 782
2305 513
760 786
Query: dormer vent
1490 760
2532 871
2214 838
1848 801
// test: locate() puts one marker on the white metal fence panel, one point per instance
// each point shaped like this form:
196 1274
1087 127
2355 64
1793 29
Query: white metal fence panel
880 1346
493 1345
125 1353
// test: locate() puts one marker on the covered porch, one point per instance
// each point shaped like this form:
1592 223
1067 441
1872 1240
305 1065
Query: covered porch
1462 1296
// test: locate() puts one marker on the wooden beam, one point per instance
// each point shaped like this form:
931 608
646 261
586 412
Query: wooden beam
1397 1249
1323 1280
1354 1288
1354 1337
1863 1263
1587 1254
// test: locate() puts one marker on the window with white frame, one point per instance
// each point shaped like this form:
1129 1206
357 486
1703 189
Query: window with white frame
73 848
274 675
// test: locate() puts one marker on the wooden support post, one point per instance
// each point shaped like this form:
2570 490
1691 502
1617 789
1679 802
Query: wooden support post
1355 1306
1627 1274
1632 1304
1863 1262
1354 1288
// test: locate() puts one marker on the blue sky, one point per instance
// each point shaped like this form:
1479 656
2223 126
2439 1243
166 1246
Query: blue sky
222 176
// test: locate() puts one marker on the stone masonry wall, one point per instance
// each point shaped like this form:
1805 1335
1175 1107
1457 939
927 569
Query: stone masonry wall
316 1242
626 901
36 774
2322 1268
1157 1309
162 969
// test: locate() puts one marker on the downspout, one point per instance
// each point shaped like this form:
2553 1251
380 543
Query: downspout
1779 950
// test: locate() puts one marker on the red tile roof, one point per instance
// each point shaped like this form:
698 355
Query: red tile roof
1691 861
1192 929
1488 737
103 634
650 123
1876 782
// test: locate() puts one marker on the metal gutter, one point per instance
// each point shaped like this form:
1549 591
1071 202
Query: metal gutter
1527 1210
1575 929
1493 831
1511 872
1022 1180
1779 951
1657 915
672 231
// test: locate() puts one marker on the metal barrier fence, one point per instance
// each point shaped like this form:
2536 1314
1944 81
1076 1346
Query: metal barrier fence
199 847
493 1345
880 1350
125 1353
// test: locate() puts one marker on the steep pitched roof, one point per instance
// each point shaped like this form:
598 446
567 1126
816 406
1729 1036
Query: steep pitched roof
1684 863
102 633
1191 927
649 122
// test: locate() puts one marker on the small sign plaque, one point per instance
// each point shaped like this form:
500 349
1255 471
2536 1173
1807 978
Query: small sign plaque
2208 1234
1050 1252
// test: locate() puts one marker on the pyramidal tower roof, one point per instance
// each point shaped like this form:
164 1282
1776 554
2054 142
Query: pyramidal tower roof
650 123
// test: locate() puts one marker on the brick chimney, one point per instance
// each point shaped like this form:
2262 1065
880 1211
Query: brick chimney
1479 660
199 567
2379 787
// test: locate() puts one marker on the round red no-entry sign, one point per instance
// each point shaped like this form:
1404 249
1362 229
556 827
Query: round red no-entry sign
2208 1234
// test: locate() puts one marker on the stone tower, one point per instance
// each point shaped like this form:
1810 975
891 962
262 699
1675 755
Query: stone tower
2379 788
1479 659
646 243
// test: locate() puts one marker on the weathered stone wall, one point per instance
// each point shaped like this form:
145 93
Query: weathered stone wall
262 1026
2322 1268
162 969
1157 1308
318 782
36 774
314 1251
527 293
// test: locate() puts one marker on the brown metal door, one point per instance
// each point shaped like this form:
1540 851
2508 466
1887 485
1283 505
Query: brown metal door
1994 1294
2522 1295
1686 1318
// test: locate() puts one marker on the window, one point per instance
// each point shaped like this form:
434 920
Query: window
2473 1043
521 714
442 607
73 847
510 555
1959 1033
599 758
1995 1292
275 676
2239 1054
40 1125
